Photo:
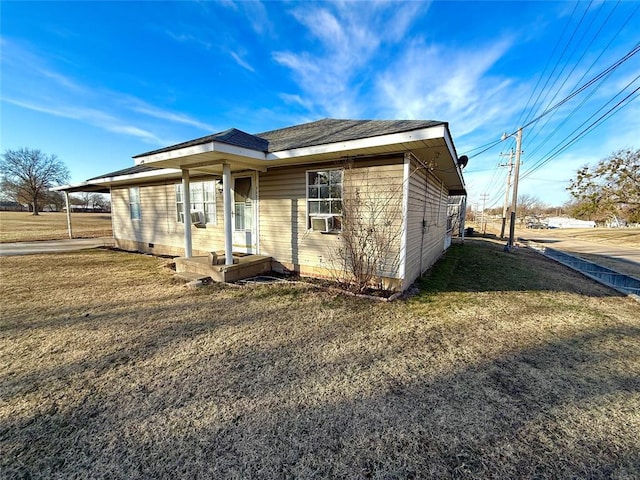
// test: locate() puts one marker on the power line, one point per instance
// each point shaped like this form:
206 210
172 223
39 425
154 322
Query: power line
608 114
605 72
541 128
490 146
575 30
545 69
575 110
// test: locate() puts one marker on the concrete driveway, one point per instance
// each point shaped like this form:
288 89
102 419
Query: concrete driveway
53 246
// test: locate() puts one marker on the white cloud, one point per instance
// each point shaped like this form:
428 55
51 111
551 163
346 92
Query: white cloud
34 85
349 36
91 116
253 11
296 100
184 37
242 62
430 81
146 109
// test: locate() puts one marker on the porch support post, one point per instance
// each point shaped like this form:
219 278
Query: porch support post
66 199
226 196
186 213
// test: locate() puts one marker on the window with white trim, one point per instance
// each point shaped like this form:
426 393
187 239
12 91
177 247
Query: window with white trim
134 203
203 202
324 199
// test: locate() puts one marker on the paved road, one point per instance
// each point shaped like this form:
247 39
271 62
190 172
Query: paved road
627 257
52 246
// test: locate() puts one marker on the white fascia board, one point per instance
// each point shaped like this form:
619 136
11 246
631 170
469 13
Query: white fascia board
136 176
454 156
193 150
120 179
62 188
428 133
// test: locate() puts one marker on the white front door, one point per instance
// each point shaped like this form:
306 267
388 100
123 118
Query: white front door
243 206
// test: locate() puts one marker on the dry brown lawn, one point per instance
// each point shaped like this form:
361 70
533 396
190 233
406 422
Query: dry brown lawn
503 366
24 227
629 237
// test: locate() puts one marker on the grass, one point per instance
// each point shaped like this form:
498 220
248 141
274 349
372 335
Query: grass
502 366
619 236
627 238
24 227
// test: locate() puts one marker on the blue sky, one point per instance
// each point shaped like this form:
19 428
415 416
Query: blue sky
98 82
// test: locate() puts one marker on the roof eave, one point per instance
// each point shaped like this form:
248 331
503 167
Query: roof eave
105 183
176 158
401 139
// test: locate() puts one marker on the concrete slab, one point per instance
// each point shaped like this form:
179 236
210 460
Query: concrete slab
53 246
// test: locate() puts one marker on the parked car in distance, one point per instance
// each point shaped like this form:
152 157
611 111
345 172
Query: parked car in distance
538 225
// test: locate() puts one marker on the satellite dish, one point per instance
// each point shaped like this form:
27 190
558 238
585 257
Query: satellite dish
462 161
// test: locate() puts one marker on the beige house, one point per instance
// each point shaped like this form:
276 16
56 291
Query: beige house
288 196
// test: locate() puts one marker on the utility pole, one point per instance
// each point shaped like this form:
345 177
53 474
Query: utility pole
506 192
514 200
483 222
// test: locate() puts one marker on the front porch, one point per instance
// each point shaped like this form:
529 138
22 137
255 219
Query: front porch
244 266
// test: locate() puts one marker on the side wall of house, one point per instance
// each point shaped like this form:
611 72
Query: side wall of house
283 213
158 230
426 221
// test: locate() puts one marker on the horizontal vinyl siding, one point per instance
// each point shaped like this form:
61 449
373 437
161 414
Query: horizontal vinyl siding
283 211
283 221
158 224
429 203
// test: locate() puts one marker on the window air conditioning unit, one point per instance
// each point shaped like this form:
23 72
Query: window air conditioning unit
196 218
322 224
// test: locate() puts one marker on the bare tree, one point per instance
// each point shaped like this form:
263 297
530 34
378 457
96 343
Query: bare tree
528 205
369 246
101 201
85 200
57 200
29 174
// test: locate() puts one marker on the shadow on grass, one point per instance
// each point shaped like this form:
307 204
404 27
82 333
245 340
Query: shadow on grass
553 410
481 265
315 386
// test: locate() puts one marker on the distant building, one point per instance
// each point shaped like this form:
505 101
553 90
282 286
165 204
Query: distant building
566 222
12 207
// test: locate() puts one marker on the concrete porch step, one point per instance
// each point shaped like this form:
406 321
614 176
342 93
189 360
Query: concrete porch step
246 266
191 276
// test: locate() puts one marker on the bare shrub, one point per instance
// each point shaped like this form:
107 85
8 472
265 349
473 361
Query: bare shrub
369 246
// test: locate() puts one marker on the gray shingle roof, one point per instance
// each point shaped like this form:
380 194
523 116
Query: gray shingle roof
331 130
320 132
233 136
126 171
